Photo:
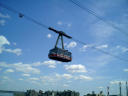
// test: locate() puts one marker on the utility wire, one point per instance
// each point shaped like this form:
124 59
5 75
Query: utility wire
23 15
45 26
94 14
100 50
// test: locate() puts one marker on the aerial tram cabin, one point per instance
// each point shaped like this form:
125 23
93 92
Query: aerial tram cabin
60 54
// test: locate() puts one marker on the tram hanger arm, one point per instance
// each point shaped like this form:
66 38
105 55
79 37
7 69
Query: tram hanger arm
60 32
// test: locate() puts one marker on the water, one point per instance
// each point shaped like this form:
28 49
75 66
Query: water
6 94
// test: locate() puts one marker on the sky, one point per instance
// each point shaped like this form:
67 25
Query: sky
24 46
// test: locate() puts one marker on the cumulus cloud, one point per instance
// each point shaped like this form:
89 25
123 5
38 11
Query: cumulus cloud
9 71
66 76
79 68
69 25
117 82
3 42
25 68
34 78
4 16
102 31
122 48
5 78
59 23
2 22
49 63
102 46
21 79
75 77
49 36
72 44
49 79
16 51
83 77
100 87
26 75
125 70
66 85
84 48
14 43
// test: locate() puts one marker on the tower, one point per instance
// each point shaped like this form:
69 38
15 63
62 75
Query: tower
126 89
108 91
120 88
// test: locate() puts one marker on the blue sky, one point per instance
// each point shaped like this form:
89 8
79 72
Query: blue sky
24 46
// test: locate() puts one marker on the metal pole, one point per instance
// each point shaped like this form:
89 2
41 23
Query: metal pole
57 40
120 87
126 89
108 91
62 41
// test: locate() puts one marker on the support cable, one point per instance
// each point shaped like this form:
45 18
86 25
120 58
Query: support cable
94 14
45 26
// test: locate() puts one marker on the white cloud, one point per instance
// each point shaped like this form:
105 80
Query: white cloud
5 78
49 35
14 43
102 31
117 82
125 70
16 51
3 64
4 16
76 77
9 71
2 22
69 25
72 44
50 63
34 78
20 79
122 48
36 64
4 41
67 76
84 48
66 85
25 68
100 87
102 46
49 79
26 75
75 68
59 23
83 77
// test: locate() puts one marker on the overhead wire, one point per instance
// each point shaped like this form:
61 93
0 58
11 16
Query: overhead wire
24 15
100 50
95 14
45 26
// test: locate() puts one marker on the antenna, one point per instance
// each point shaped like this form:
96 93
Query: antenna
120 88
108 91
126 89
